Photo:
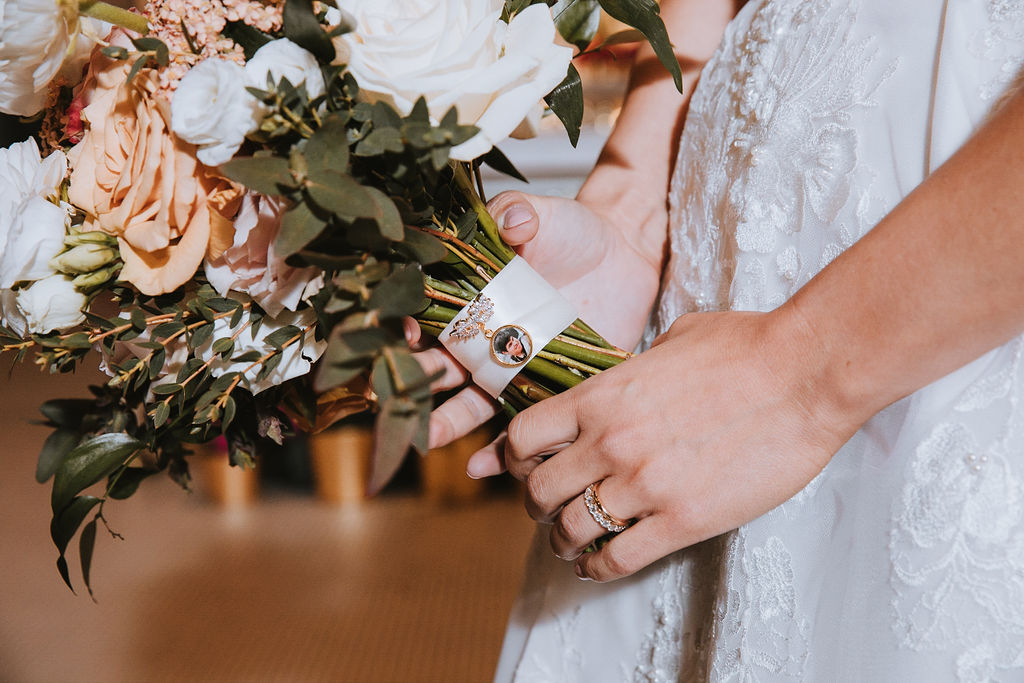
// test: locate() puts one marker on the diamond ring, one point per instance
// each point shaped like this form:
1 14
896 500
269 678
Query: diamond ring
607 521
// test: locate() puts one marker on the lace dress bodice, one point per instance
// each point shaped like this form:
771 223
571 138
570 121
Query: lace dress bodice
904 559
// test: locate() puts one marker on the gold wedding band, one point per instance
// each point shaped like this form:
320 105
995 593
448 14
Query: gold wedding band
608 521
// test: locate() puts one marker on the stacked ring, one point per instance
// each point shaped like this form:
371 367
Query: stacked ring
607 521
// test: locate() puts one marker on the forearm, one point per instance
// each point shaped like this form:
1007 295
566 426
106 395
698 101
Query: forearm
937 283
631 178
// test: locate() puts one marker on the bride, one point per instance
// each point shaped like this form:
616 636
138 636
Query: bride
820 458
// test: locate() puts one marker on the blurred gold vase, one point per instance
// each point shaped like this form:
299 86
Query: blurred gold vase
340 461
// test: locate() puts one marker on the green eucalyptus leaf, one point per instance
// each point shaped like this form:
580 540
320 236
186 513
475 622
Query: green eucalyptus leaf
644 15
302 28
396 425
269 365
86 544
577 21
164 330
264 174
154 45
200 336
249 38
348 354
381 140
64 526
160 414
230 408
67 412
385 116
139 64
327 149
299 227
57 445
497 160
341 194
566 100
62 567
401 293
128 482
278 338
386 216
115 52
88 463
421 247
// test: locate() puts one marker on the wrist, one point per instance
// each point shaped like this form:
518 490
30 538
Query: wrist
819 370
637 210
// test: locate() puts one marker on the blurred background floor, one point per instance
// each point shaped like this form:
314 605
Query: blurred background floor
401 588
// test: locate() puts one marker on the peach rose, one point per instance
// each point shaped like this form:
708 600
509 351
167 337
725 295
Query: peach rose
140 183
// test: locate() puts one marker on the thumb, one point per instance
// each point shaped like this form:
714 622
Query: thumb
516 216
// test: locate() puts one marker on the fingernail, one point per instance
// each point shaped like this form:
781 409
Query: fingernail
474 470
515 216
580 575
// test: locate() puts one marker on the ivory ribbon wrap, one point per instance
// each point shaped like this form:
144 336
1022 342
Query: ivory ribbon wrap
523 298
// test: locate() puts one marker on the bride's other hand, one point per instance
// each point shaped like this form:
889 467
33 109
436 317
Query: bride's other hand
715 425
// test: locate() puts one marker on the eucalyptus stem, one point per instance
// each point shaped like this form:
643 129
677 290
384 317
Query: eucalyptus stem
115 15
464 183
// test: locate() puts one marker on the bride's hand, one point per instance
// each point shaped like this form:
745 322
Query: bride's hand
719 422
580 248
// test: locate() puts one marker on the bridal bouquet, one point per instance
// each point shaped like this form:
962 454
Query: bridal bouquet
233 206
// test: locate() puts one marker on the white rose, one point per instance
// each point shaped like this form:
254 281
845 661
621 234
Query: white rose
455 53
32 226
251 266
212 109
34 39
296 360
284 59
50 304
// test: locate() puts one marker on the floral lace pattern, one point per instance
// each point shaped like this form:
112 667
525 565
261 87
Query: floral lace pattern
999 40
779 155
957 543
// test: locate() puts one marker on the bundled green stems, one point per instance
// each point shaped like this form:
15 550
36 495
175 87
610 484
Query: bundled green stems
476 254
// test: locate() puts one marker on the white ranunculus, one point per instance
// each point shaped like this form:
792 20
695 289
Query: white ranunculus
51 304
284 59
212 109
35 234
32 225
24 172
455 53
251 266
296 360
34 39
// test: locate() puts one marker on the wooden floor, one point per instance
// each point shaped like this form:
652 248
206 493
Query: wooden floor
290 589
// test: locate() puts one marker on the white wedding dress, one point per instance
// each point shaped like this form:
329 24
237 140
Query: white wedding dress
903 560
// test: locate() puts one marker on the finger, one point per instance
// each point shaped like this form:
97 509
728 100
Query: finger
412 332
489 460
575 528
434 361
554 481
516 216
460 415
628 552
538 431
